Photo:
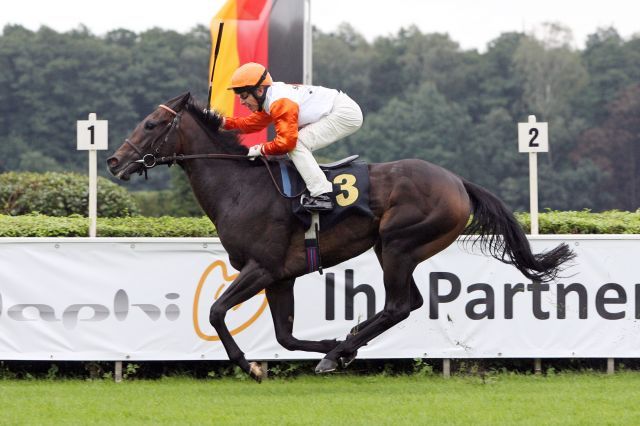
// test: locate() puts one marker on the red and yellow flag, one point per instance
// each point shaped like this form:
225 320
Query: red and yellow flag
245 38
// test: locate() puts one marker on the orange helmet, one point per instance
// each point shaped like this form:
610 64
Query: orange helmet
250 76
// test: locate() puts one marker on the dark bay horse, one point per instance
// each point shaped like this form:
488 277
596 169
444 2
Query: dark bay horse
418 210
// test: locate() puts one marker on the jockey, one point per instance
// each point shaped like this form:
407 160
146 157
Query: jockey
306 118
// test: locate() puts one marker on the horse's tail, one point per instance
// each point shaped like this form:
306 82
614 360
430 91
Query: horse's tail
500 235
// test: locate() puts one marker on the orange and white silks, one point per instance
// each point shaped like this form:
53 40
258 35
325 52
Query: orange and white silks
289 107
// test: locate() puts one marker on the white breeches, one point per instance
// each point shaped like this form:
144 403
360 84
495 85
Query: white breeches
344 119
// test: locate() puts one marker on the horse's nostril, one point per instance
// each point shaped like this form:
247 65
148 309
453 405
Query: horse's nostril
112 162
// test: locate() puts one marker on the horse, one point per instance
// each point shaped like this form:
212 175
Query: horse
418 209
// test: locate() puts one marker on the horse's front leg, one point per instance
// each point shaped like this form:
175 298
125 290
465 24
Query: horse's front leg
250 281
281 302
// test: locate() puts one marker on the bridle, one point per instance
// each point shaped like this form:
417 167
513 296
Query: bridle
151 160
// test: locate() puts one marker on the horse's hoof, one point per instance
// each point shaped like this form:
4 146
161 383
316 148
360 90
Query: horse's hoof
345 361
326 366
255 371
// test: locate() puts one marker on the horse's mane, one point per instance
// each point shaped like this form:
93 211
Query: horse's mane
211 123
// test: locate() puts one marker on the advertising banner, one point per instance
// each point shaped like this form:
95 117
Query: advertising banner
149 299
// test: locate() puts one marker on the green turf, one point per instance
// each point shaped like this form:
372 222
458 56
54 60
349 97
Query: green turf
334 399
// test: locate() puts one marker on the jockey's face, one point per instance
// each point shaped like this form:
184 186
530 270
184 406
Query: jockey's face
247 99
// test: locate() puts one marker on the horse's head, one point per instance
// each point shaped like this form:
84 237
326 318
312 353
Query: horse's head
159 138
155 136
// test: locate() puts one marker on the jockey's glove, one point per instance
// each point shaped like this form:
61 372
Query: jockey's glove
209 113
255 151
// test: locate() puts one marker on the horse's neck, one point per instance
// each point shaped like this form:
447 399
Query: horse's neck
214 181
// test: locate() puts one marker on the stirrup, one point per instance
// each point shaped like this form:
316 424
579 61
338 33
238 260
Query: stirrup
316 203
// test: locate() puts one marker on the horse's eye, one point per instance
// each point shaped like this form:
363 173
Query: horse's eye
149 125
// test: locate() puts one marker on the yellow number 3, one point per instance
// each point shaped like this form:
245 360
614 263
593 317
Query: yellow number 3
349 193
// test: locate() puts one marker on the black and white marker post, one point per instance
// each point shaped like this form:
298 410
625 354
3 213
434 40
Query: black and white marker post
93 135
533 137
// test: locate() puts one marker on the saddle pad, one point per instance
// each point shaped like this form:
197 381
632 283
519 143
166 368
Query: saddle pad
350 190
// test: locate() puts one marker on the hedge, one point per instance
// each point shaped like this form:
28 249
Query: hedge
37 225
61 194
584 222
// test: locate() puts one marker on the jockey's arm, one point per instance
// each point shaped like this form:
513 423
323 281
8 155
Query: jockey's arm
252 123
284 113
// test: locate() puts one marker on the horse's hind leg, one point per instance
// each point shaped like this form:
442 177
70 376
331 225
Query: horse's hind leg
416 302
399 257
397 280
416 298
281 302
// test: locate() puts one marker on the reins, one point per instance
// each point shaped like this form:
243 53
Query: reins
150 160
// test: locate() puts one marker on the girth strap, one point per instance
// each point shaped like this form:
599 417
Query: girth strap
312 244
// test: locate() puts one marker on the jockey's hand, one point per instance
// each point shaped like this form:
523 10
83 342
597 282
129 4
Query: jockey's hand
254 151
209 114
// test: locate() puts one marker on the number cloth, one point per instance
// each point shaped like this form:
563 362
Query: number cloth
306 118
350 186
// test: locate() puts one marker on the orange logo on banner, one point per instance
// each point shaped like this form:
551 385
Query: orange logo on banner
228 279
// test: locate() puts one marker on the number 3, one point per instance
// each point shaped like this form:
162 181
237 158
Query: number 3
346 183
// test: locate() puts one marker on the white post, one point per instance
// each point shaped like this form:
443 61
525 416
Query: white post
533 191
93 192
537 366
93 135
307 49
446 368
117 376
533 137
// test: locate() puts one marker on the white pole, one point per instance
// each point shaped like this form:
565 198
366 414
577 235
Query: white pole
117 375
533 191
533 184
533 207
92 135
307 47
93 192
611 365
446 368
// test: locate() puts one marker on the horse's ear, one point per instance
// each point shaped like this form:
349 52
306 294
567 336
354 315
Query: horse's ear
183 100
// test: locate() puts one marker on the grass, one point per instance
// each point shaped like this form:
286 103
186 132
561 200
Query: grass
575 398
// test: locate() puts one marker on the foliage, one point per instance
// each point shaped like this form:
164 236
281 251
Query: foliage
60 194
586 222
422 95
177 201
36 225
49 79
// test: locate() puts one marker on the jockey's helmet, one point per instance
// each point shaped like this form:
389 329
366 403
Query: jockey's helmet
249 77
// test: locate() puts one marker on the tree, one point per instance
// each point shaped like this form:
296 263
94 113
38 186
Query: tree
552 74
606 62
615 148
422 124
341 60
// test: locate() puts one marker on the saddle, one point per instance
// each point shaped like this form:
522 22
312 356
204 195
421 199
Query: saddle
350 179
